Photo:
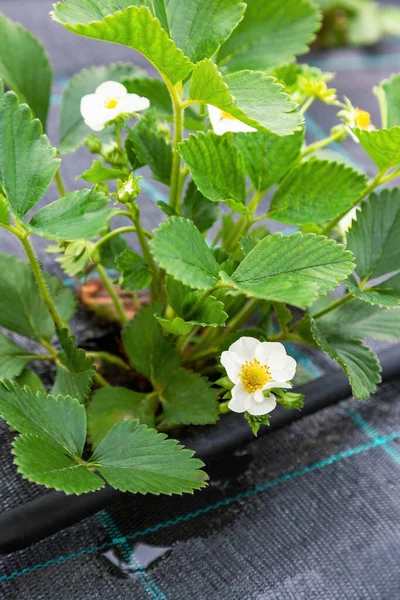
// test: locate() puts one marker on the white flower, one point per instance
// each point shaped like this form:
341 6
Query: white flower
254 367
222 122
110 100
347 221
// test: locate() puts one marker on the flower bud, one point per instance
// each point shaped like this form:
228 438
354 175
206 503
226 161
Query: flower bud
93 145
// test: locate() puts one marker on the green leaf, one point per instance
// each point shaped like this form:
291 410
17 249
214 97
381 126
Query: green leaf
383 146
26 68
111 405
29 378
187 399
86 11
75 371
358 361
216 167
198 209
290 400
133 27
199 27
61 419
179 248
133 458
175 326
152 148
98 173
272 33
359 320
386 294
374 236
135 274
149 352
27 161
250 96
268 157
45 462
73 131
13 358
388 93
185 303
77 216
316 191
22 308
292 269
111 249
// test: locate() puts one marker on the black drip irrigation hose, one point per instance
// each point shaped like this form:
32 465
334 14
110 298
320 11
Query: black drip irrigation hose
29 523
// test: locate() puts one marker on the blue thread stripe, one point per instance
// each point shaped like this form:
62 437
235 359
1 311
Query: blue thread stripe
372 433
379 441
129 556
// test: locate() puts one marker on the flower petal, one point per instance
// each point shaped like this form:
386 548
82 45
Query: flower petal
133 103
240 399
236 126
262 408
215 115
277 384
89 103
258 396
267 349
111 89
232 363
245 348
282 367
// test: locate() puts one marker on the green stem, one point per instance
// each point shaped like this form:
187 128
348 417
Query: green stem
99 379
118 134
41 282
306 105
174 199
333 306
155 291
110 358
114 296
60 184
321 144
244 223
111 234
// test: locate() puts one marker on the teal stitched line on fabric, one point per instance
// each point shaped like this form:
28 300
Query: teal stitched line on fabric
129 555
372 433
379 441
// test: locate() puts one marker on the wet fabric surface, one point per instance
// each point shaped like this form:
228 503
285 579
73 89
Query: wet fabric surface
309 512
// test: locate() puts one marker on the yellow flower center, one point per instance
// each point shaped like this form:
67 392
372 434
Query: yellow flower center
226 115
362 118
111 102
254 375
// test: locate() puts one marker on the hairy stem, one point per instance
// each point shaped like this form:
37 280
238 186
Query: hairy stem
114 296
333 306
155 291
113 233
176 96
60 184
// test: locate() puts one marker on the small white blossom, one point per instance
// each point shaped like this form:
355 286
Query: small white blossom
110 100
255 367
222 122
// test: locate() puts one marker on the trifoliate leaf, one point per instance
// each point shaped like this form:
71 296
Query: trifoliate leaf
383 146
13 358
316 191
26 69
98 173
272 33
148 350
180 249
187 399
73 131
133 458
27 161
250 96
198 209
75 370
267 156
292 269
111 405
152 148
358 361
133 27
79 215
199 27
374 236
61 419
216 167
22 308
45 462
388 93
185 302
135 274
360 320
